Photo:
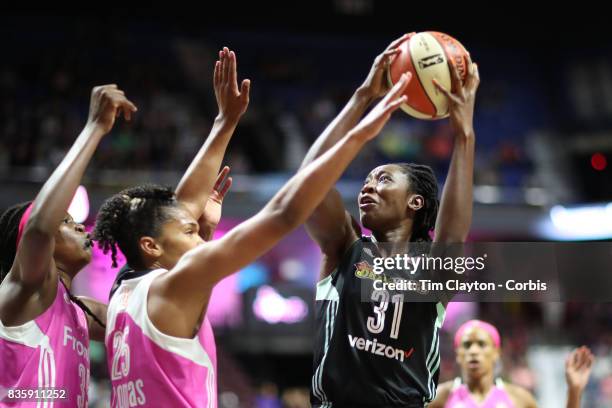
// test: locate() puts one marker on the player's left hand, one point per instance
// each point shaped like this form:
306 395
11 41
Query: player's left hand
578 367
232 102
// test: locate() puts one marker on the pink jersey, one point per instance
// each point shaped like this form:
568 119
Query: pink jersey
497 398
150 368
51 351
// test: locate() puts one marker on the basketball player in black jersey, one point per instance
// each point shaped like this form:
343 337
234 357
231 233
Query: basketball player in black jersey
384 352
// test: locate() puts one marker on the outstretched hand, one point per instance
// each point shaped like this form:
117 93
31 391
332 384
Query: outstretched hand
212 211
373 122
461 102
232 102
106 104
578 366
375 85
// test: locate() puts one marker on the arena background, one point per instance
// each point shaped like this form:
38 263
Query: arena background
543 122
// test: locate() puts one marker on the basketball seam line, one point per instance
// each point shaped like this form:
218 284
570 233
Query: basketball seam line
416 72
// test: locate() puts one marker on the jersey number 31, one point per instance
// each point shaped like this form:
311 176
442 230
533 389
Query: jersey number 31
376 323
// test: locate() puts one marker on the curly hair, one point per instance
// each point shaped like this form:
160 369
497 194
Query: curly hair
130 214
422 180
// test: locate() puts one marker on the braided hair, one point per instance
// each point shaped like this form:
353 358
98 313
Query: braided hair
129 215
422 181
9 229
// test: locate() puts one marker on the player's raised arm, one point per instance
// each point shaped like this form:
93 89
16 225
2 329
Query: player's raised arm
455 213
196 186
330 225
33 262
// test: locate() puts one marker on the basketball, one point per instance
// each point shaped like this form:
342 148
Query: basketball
428 55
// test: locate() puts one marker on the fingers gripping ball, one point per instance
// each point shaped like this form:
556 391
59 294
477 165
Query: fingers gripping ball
428 55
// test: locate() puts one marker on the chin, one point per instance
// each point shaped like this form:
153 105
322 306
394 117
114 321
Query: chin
476 372
86 256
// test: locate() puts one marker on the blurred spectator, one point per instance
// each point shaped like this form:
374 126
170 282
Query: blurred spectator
268 396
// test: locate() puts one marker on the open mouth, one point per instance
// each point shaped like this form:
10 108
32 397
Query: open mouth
366 202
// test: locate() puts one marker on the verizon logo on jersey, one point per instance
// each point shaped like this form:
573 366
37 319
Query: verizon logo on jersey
379 349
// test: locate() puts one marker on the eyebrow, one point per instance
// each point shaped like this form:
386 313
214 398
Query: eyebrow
475 341
377 174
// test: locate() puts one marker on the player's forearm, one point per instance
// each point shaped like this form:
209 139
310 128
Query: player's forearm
345 121
54 198
303 193
197 182
455 214
288 209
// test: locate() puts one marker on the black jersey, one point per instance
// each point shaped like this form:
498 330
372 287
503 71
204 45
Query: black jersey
372 349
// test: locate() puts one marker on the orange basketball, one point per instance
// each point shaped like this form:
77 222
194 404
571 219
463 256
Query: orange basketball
428 55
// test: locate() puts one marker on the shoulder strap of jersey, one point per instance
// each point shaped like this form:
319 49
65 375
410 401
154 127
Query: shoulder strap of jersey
124 274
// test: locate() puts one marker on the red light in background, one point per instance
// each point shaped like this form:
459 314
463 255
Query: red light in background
599 162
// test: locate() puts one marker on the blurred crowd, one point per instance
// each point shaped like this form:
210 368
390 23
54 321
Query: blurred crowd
295 94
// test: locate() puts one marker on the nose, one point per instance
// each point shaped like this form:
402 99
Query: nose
473 349
80 228
368 187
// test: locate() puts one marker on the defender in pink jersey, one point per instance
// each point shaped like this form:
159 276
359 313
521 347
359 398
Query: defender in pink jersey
44 332
161 351
477 345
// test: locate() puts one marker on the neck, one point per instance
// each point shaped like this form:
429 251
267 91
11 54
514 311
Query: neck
65 277
480 385
397 233
156 265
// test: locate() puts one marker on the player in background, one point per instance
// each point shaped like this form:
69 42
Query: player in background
478 348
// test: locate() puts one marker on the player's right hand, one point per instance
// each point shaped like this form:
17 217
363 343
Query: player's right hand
461 102
106 104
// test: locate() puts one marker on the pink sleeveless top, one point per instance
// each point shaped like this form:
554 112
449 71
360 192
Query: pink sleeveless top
49 352
497 398
150 368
